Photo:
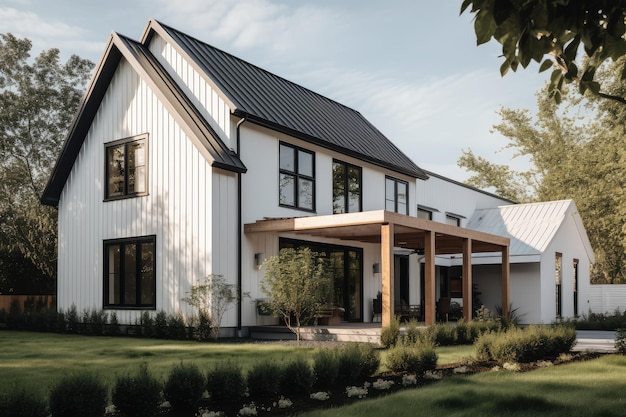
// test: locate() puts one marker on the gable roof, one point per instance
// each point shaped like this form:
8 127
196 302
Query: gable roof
162 84
531 227
274 102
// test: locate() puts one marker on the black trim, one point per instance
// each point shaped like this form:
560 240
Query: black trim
397 181
346 203
297 175
426 208
126 141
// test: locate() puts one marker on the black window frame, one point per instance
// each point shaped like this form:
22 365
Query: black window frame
297 176
122 305
456 219
397 181
126 143
346 189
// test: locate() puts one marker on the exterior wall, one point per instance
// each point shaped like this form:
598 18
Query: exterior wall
449 196
606 299
177 210
204 96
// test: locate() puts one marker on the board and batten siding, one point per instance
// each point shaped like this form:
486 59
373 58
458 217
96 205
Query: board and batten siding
204 96
177 210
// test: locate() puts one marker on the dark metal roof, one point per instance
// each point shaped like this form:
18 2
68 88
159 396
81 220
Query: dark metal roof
139 57
269 100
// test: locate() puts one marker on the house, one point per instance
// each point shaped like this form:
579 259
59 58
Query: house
184 161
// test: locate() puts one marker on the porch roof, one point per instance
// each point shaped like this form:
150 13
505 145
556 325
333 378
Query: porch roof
409 232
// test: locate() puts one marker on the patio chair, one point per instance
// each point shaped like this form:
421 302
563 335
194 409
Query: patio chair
443 308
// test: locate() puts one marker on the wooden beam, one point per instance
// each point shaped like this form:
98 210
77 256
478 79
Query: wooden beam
506 280
429 283
386 256
467 279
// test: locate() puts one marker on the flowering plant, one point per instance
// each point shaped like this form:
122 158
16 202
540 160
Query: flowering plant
381 384
409 380
320 396
248 410
360 392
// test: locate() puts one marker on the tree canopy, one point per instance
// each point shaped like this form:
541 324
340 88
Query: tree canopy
530 30
578 151
38 99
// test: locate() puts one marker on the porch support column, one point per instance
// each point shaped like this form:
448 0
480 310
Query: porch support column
386 257
506 281
429 283
467 279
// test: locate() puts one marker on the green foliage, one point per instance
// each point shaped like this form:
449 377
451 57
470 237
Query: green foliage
38 99
531 29
72 322
601 321
526 345
18 402
147 324
389 335
297 284
212 299
137 395
356 362
620 341
297 377
263 381
226 385
325 367
176 328
415 358
184 387
113 329
160 325
78 395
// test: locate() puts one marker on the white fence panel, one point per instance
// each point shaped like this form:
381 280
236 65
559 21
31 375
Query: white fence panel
607 298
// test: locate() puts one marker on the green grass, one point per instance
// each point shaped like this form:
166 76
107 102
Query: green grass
593 388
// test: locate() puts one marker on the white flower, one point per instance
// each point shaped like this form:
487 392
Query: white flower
360 392
381 384
515 367
320 396
248 410
284 402
409 380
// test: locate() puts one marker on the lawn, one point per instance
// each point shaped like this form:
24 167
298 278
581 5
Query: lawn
592 388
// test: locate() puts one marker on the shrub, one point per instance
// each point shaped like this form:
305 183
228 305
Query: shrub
184 387
71 320
17 402
415 358
226 385
412 333
356 362
176 327
442 334
113 328
325 367
160 325
620 341
390 334
147 324
601 321
98 321
78 395
137 395
297 377
264 381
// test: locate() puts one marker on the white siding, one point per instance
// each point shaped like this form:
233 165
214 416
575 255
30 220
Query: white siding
205 97
177 209
606 299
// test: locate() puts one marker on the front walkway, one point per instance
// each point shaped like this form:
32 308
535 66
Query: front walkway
595 341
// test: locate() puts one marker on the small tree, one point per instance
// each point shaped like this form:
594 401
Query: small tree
212 298
297 284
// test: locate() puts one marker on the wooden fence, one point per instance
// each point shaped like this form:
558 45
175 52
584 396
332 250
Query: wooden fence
6 300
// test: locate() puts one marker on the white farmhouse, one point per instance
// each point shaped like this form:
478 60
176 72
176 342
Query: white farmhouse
185 161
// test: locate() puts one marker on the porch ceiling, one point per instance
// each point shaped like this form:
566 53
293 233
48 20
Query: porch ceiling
409 232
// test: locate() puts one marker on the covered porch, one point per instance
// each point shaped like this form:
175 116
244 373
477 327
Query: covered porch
391 230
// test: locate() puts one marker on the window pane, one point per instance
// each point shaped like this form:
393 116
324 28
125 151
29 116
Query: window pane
287 189
305 194
390 189
136 167
454 221
402 193
305 163
115 171
130 274
424 214
339 197
148 291
354 189
113 279
287 158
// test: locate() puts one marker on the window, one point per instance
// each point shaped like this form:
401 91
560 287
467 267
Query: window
346 188
396 195
296 181
576 287
424 214
453 220
129 273
126 168
558 266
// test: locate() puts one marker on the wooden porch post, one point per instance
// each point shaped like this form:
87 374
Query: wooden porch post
386 256
467 279
429 283
506 281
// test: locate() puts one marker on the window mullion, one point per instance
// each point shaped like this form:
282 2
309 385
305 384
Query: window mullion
122 273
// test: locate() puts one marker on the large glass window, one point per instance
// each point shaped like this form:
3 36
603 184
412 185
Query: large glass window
129 273
126 168
396 195
346 188
296 182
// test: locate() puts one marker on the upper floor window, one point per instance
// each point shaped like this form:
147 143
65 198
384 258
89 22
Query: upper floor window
126 167
346 188
424 214
396 195
296 182
129 273
453 220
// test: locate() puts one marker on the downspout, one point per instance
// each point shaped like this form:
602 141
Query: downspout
239 234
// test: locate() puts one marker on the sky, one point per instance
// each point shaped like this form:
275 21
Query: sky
412 69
